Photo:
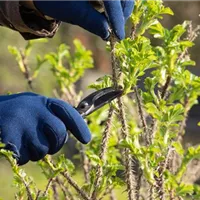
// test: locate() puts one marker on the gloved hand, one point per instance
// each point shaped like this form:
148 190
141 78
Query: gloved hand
83 14
32 125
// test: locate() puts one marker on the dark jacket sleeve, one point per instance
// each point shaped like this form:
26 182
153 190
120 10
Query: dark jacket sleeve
27 22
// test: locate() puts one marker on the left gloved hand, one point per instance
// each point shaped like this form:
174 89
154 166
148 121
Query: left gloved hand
83 14
32 125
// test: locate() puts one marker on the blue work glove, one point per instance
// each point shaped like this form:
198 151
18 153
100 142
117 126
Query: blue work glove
32 125
83 14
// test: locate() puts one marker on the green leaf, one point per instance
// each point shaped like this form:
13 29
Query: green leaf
178 147
168 11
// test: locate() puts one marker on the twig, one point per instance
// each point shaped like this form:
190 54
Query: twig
65 190
138 174
171 195
112 195
27 189
165 87
47 187
85 163
160 180
163 96
108 191
16 197
151 192
183 123
75 185
139 101
67 176
55 192
142 117
38 195
128 158
130 177
103 149
192 33
26 73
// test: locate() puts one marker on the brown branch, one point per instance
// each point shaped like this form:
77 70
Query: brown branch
47 187
130 178
163 96
27 188
112 195
128 158
38 195
102 153
108 191
65 190
85 163
75 186
67 176
142 116
165 87
55 192
151 192
163 165
192 33
160 181
183 123
138 174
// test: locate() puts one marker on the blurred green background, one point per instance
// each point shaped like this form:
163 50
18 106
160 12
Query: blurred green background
11 79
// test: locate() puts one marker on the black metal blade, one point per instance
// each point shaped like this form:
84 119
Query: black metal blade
97 99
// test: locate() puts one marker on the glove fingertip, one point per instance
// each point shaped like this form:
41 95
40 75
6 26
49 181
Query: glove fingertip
77 125
72 120
11 147
21 160
127 6
120 34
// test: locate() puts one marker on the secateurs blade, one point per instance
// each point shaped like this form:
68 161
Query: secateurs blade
97 100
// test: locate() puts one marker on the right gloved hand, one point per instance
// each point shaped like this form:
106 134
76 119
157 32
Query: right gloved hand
32 125
83 14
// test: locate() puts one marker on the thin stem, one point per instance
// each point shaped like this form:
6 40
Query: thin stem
138 174
75 185
151 192
171 194
128 158
26 73
85 163
55 192
142 116
160 179
183 123
38 195
165 87
67 176
130 178
16 197
28 191
163 96
108 191
65 190
112 195
159 182
102 154
47 187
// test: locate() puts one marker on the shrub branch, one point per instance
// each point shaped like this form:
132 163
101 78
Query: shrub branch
102 154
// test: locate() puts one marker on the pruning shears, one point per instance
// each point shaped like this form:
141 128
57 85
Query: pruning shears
97 99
